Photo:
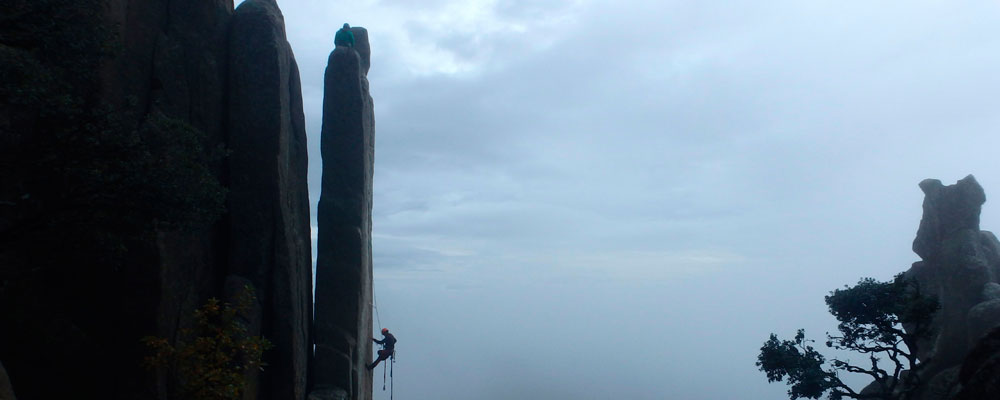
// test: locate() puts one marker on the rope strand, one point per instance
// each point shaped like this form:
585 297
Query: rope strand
392 359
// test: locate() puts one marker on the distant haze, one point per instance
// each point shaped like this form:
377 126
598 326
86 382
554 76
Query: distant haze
621 200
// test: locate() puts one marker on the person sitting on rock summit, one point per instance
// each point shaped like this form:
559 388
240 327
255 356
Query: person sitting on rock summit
344 37
388 343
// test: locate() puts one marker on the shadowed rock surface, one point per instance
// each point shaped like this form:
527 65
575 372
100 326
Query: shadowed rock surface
231 76
363 47
960 266
343 265
170 63
6 392
269 199
959 262
980 373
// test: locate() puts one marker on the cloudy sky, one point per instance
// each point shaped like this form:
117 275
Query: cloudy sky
609 200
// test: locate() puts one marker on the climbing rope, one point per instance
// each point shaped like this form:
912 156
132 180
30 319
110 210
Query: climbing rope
392 363
392 358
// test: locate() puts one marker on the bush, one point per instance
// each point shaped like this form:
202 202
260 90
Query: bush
871 315
213 359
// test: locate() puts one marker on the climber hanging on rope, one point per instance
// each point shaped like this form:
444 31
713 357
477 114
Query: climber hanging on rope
388 343
344 37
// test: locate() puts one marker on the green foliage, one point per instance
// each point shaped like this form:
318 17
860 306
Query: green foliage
871 316
156 174
213 359
69 34
797 361
50 52
186 190
872 313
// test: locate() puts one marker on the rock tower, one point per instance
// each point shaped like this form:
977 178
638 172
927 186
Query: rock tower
270 245
344 263
960 265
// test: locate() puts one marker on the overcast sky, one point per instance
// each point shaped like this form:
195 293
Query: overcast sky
621 200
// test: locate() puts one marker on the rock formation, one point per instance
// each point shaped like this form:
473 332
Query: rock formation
960 266
268 196
343 265
231 76
6 392
979 376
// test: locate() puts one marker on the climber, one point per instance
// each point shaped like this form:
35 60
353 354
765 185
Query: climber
388 343
344 37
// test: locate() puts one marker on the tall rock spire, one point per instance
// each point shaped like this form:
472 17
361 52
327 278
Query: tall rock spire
960 267
269 197
343 265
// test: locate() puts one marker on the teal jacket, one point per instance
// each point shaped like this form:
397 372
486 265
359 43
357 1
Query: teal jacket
344 37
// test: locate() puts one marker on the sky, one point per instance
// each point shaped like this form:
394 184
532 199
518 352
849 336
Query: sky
608 200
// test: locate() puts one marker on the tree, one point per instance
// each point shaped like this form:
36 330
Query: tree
212 359
871 315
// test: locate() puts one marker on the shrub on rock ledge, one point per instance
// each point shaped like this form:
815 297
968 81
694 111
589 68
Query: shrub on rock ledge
212 359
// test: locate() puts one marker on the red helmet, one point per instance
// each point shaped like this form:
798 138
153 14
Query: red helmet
385 330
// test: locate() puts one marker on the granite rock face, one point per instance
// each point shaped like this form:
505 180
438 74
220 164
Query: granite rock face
979 377
960 266
230 75
943 386
959 262
170 61
363 47
983 317
269 200
343 267
6 391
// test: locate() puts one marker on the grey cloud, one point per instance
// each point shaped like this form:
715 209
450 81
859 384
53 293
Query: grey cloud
634 208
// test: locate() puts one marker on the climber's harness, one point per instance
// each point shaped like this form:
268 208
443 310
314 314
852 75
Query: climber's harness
392 357
392 361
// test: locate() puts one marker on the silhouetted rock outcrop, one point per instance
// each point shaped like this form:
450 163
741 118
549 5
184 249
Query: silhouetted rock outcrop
959 263
269 200
343 266
960 266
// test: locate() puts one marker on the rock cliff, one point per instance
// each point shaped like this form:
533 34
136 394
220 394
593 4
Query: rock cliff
343 265
6 392
979 376
960 265
228 79
269 223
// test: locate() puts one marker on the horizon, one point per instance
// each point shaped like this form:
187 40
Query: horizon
565 211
